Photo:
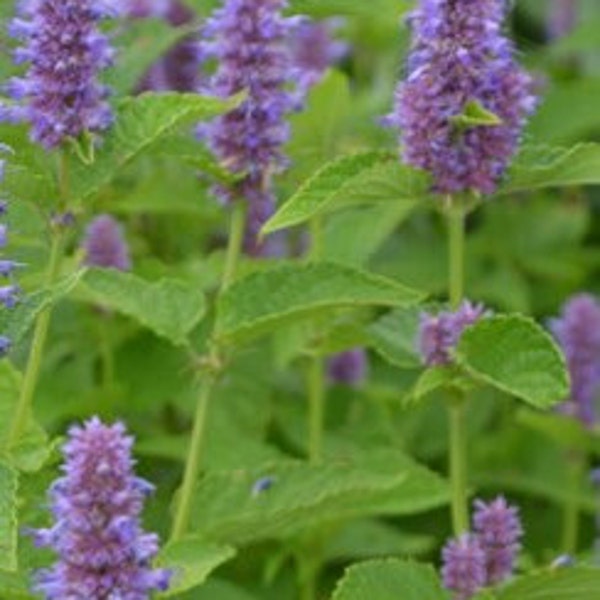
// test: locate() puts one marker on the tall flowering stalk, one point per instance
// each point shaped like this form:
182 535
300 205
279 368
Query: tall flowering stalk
102 550
460 61
250 41
577 331
485 557
60 95
61 98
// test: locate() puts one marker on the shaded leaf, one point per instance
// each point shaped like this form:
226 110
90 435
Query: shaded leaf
170 308
8 518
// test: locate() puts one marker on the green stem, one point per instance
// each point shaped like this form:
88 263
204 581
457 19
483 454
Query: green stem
106 353
193 463
458 466
456 252
316 408
236 240
576 469
195 453
32 370
40 333
457 406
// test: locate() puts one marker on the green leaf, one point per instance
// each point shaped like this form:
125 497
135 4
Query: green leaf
564 430
394 337
228 509
263 301
32 450
170 308
372 226
436 378
371 538
475 115
8 518
140 122
332 8
17 322
546 166
574 583
191 561
514 354
364 178
390 580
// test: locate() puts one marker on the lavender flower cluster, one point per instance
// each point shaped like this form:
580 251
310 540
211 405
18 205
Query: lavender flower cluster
439 334
102 551
487 556
348 368
249 40
577 331
60 95
9 292
459 55
105 246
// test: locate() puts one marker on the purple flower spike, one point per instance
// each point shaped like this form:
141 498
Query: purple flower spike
5 346
179 68
562 17
105 245
60 95
349 368
102 551
498 528
3 235
315 50
250 41
439 334
577 331
464 567
460 56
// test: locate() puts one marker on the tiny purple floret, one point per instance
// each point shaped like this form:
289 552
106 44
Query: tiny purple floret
439 334
348 368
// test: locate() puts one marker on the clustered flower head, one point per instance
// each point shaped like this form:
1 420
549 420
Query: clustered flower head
459 56
562 17
249 40
179 69
486 556
60 95
105 246
439 334
315 49
102 551
9 290
349 367
577 331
